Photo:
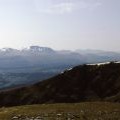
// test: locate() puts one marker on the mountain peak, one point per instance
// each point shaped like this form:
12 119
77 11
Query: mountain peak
8 49
41 49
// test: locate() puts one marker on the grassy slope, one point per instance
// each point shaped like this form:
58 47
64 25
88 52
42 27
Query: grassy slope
76 111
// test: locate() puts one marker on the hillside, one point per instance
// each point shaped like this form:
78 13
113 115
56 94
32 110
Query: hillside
82 83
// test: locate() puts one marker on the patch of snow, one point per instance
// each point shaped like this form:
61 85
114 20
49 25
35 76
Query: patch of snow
99 63
117 62
69 69
104 63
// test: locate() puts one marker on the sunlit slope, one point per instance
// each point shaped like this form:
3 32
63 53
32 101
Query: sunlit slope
80 111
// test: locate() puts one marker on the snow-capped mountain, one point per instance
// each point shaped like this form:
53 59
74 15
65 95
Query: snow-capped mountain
31 49
36 56
45 57
41 49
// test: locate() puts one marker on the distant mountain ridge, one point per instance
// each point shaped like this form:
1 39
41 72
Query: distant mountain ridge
45 56
30 49
48 49
79 84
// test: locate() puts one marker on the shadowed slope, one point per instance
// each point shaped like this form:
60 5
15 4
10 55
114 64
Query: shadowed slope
82 83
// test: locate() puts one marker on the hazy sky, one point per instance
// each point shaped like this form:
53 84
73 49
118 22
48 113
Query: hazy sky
60 24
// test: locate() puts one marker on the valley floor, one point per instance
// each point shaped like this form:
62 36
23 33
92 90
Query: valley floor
77 111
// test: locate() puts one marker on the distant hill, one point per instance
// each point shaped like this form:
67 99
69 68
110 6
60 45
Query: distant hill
14 60
82 83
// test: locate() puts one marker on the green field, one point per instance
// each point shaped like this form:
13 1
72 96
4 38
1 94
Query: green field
79 111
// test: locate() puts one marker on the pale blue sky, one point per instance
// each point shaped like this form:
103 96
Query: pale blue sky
60 24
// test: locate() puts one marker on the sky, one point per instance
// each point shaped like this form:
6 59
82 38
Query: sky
60 24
